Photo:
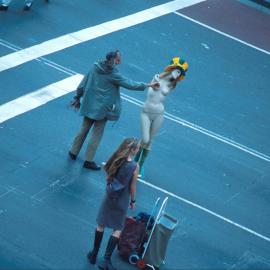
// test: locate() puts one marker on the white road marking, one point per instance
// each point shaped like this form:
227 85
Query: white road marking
75 38
205 210
48 93
55 90
222 33
42 96
35 99
203 130
7 192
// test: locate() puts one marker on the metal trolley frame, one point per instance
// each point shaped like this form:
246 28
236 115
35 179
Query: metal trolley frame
157 212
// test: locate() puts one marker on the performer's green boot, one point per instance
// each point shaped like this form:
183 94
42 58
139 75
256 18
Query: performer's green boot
140 158
137 157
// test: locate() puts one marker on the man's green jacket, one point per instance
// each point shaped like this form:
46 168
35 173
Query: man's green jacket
100 89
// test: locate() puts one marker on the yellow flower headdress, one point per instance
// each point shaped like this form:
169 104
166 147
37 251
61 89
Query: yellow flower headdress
178 63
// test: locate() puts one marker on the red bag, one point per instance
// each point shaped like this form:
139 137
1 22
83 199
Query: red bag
132 237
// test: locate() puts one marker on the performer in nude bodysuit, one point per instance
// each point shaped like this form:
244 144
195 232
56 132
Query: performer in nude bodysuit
153 108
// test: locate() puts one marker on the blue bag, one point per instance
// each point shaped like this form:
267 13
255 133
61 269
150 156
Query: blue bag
114 188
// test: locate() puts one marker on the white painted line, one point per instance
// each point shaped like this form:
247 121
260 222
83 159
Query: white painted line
35 99
39 192
167 115
218 137
68 40
7 192
205 210
203 131
58 89
222 33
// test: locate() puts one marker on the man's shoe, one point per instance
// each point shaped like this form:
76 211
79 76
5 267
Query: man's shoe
27 6
72 156
3 8
91 165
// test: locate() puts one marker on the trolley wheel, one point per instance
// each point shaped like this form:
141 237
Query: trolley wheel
141 263
133 258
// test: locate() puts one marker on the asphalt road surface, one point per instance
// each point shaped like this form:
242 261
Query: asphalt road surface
211 157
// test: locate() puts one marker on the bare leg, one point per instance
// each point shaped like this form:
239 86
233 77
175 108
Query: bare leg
150 126
145 127
155 126
146 131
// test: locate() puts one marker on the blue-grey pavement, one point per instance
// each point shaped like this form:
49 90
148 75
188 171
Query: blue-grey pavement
48 203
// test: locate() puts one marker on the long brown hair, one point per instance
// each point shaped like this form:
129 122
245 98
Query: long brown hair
120 156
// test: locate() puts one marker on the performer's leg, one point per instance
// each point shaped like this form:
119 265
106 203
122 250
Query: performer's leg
80 138
143 152
145 128
157 120
142 158
155 126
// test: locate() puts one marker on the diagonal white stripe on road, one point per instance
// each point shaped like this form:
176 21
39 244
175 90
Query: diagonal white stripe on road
69 40
206 210
204 131
222 33
42 96
35 99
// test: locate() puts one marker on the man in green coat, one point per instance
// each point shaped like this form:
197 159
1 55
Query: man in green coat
100 89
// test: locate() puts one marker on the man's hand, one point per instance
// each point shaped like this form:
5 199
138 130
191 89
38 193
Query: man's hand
75 103
154 85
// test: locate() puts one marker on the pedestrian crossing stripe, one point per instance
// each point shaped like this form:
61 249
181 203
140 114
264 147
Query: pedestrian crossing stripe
87 34
35 99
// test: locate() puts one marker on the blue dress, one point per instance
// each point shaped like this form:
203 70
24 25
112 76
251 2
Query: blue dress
112 213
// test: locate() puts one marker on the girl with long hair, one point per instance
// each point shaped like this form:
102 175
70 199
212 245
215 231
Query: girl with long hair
112 212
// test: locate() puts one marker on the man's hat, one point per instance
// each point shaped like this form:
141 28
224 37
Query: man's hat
180 64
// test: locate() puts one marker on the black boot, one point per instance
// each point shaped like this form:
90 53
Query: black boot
91 165
3 7
72 156
92 255
106 263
